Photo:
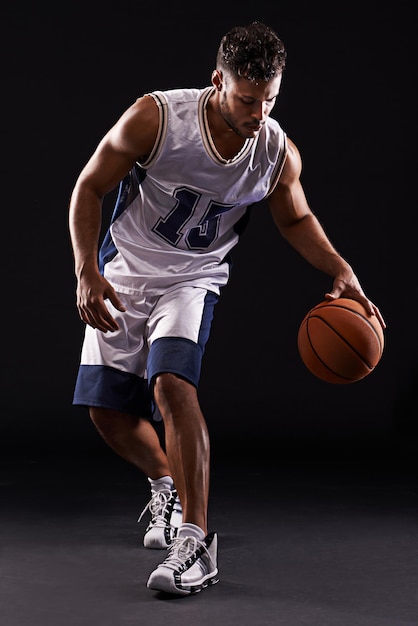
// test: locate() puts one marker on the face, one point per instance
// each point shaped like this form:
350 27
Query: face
245 105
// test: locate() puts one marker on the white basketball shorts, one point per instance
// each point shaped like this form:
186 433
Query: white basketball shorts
163 333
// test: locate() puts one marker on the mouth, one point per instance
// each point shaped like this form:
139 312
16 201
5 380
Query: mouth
254 128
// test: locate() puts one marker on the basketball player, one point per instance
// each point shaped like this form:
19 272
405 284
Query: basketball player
189 163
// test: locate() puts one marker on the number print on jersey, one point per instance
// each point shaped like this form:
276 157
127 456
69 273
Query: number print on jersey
173 227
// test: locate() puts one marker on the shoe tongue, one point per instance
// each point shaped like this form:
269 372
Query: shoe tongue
191 530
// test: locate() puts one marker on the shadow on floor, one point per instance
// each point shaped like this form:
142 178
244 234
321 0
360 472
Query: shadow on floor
319 538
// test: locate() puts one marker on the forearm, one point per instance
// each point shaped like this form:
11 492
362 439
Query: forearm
309 239
85 212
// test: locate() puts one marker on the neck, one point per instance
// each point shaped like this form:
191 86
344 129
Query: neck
227 142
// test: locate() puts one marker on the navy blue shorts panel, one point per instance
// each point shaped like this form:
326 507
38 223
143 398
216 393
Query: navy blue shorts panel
177 356
107 387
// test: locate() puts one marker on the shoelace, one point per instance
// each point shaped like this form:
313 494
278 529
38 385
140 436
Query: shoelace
158 507
181 549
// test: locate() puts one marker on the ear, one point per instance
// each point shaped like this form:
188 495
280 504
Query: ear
217 79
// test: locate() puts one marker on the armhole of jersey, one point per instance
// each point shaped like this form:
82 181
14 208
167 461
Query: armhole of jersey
162 128
279 167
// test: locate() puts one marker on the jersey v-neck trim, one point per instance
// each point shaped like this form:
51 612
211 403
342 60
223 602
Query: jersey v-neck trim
207 137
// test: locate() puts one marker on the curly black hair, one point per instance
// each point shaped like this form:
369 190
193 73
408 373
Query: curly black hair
253 52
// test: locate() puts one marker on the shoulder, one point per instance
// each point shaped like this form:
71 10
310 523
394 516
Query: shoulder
293 164
176 96
144 110
136 130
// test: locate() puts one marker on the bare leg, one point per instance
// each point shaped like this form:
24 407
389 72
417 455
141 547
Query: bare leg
133 438
187 445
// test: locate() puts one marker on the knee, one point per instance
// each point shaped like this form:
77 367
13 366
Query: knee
109 422
173 393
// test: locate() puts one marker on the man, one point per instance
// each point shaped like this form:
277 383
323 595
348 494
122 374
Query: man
189 164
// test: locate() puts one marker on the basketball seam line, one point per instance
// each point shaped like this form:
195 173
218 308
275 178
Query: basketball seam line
313 313
346 343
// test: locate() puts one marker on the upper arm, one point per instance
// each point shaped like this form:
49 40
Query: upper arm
287 202
131 139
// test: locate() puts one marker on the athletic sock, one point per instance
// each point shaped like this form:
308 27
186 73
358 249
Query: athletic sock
165 482
191 530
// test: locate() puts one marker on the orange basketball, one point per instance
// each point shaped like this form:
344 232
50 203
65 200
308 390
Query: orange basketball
339 342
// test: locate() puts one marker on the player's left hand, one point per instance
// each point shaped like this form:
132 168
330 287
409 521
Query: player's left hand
349 287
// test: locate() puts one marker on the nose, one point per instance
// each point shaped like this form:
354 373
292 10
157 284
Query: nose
259 111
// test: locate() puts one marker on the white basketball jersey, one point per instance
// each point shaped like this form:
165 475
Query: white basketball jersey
179 214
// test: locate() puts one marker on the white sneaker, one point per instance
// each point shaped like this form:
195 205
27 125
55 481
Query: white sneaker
191 566
166 517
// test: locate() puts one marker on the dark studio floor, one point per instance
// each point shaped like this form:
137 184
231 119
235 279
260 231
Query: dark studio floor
331 541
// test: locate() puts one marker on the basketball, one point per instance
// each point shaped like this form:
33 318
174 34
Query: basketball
339 342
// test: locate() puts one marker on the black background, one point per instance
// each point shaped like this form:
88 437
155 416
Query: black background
347 100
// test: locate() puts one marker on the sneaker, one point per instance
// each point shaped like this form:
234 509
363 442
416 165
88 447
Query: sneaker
166 516
191 566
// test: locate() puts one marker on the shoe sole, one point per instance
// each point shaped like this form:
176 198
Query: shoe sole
162 584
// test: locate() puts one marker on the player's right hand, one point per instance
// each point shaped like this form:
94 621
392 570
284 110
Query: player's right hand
91 296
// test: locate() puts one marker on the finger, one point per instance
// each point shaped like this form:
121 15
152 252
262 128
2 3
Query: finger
373 310
100 319
379 316
105 322
117 303
333 295
337 290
